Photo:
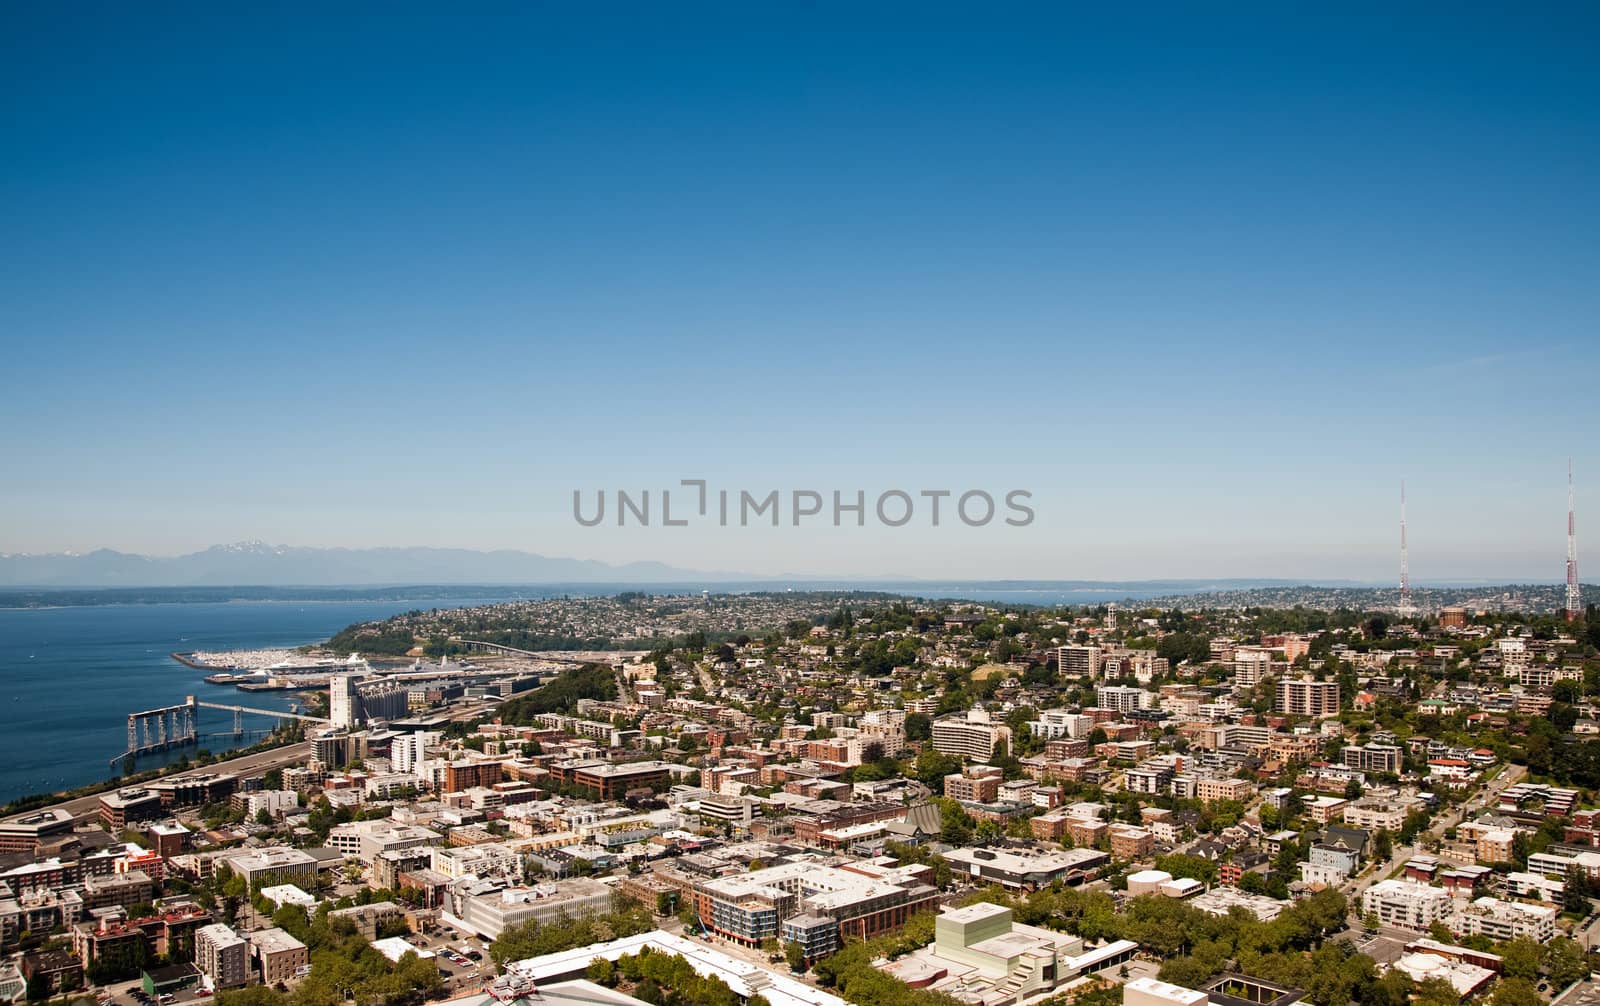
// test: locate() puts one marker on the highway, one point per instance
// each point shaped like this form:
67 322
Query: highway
87 808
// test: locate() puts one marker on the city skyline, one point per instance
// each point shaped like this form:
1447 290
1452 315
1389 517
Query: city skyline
1208 286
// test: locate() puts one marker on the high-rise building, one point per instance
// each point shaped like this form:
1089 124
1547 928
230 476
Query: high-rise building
1306 697
1078 661
971 736
408 751
344 702
1251 666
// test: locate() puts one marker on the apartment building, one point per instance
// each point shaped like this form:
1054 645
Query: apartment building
276 802
1212 790
278 956
222 956
1387 758
1130 842
972 736
1123 698
1251 666
1078 661
365 840
1308 697
1151 777
489 860
1054 724
408 751
464 775
1375 814
1506 920
1405 904
975 784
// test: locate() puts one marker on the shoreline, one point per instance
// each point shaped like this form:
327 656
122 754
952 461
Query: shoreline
92 791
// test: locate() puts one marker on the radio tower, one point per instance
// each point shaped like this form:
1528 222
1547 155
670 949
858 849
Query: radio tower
1573 591
1406 609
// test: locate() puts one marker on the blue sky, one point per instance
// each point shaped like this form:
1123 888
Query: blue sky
1208 284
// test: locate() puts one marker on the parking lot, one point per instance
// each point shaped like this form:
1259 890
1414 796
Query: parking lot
459 970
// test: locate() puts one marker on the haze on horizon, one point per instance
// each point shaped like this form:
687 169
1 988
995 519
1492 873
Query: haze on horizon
1208 284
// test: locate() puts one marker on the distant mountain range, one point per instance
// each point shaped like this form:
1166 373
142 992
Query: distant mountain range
259 564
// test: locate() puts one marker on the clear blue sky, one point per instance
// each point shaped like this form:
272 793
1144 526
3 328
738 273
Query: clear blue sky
1210 283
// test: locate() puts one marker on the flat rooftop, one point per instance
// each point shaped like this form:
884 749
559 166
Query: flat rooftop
975 912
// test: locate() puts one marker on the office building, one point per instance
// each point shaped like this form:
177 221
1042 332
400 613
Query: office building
489 908
852 901
273 864
126 807
1144 991
982 953
28 832
612 781
733 811
1026 871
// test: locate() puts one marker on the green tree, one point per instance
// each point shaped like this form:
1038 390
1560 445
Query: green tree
1522 958
602 972
1564 961
1382 845
1575 895
1516 992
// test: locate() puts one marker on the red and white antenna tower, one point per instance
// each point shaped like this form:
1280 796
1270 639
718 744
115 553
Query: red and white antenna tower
1406 608
1573 592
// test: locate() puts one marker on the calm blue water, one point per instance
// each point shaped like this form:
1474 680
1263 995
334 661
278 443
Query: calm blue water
70 676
